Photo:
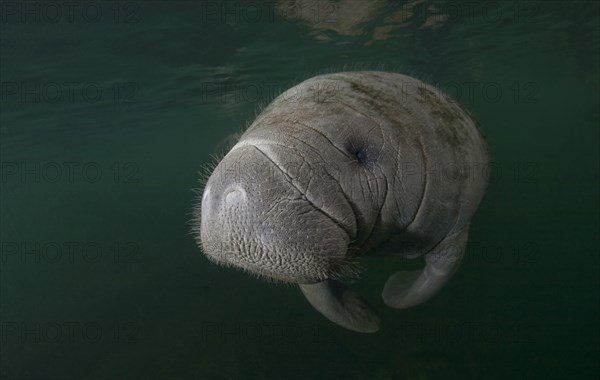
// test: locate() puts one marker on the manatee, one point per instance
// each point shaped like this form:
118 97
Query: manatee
341 166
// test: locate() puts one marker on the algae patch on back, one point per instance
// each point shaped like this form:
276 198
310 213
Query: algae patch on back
450 116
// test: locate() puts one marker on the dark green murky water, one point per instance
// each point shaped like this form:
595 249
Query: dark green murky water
109 110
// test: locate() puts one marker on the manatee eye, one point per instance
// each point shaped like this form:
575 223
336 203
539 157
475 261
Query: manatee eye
359 152
360 155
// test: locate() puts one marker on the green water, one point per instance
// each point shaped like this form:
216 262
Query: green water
107 118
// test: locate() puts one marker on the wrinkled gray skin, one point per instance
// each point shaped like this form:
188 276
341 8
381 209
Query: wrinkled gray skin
341 166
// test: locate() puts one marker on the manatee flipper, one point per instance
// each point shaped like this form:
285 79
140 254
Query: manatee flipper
341 305
409 288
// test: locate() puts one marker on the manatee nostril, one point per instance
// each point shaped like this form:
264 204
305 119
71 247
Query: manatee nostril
235 196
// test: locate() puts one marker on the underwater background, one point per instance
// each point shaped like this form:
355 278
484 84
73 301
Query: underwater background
110 109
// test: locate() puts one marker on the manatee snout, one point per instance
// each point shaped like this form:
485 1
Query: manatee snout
254 217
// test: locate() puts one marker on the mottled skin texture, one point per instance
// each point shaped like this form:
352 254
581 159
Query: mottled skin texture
341 166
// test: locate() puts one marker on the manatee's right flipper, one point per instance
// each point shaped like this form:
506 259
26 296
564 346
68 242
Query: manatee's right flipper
341 305
409 288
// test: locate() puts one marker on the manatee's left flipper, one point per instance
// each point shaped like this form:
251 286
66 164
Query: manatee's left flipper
341 305
410 288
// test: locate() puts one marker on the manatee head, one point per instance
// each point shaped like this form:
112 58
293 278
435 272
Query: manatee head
344 168
263 211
